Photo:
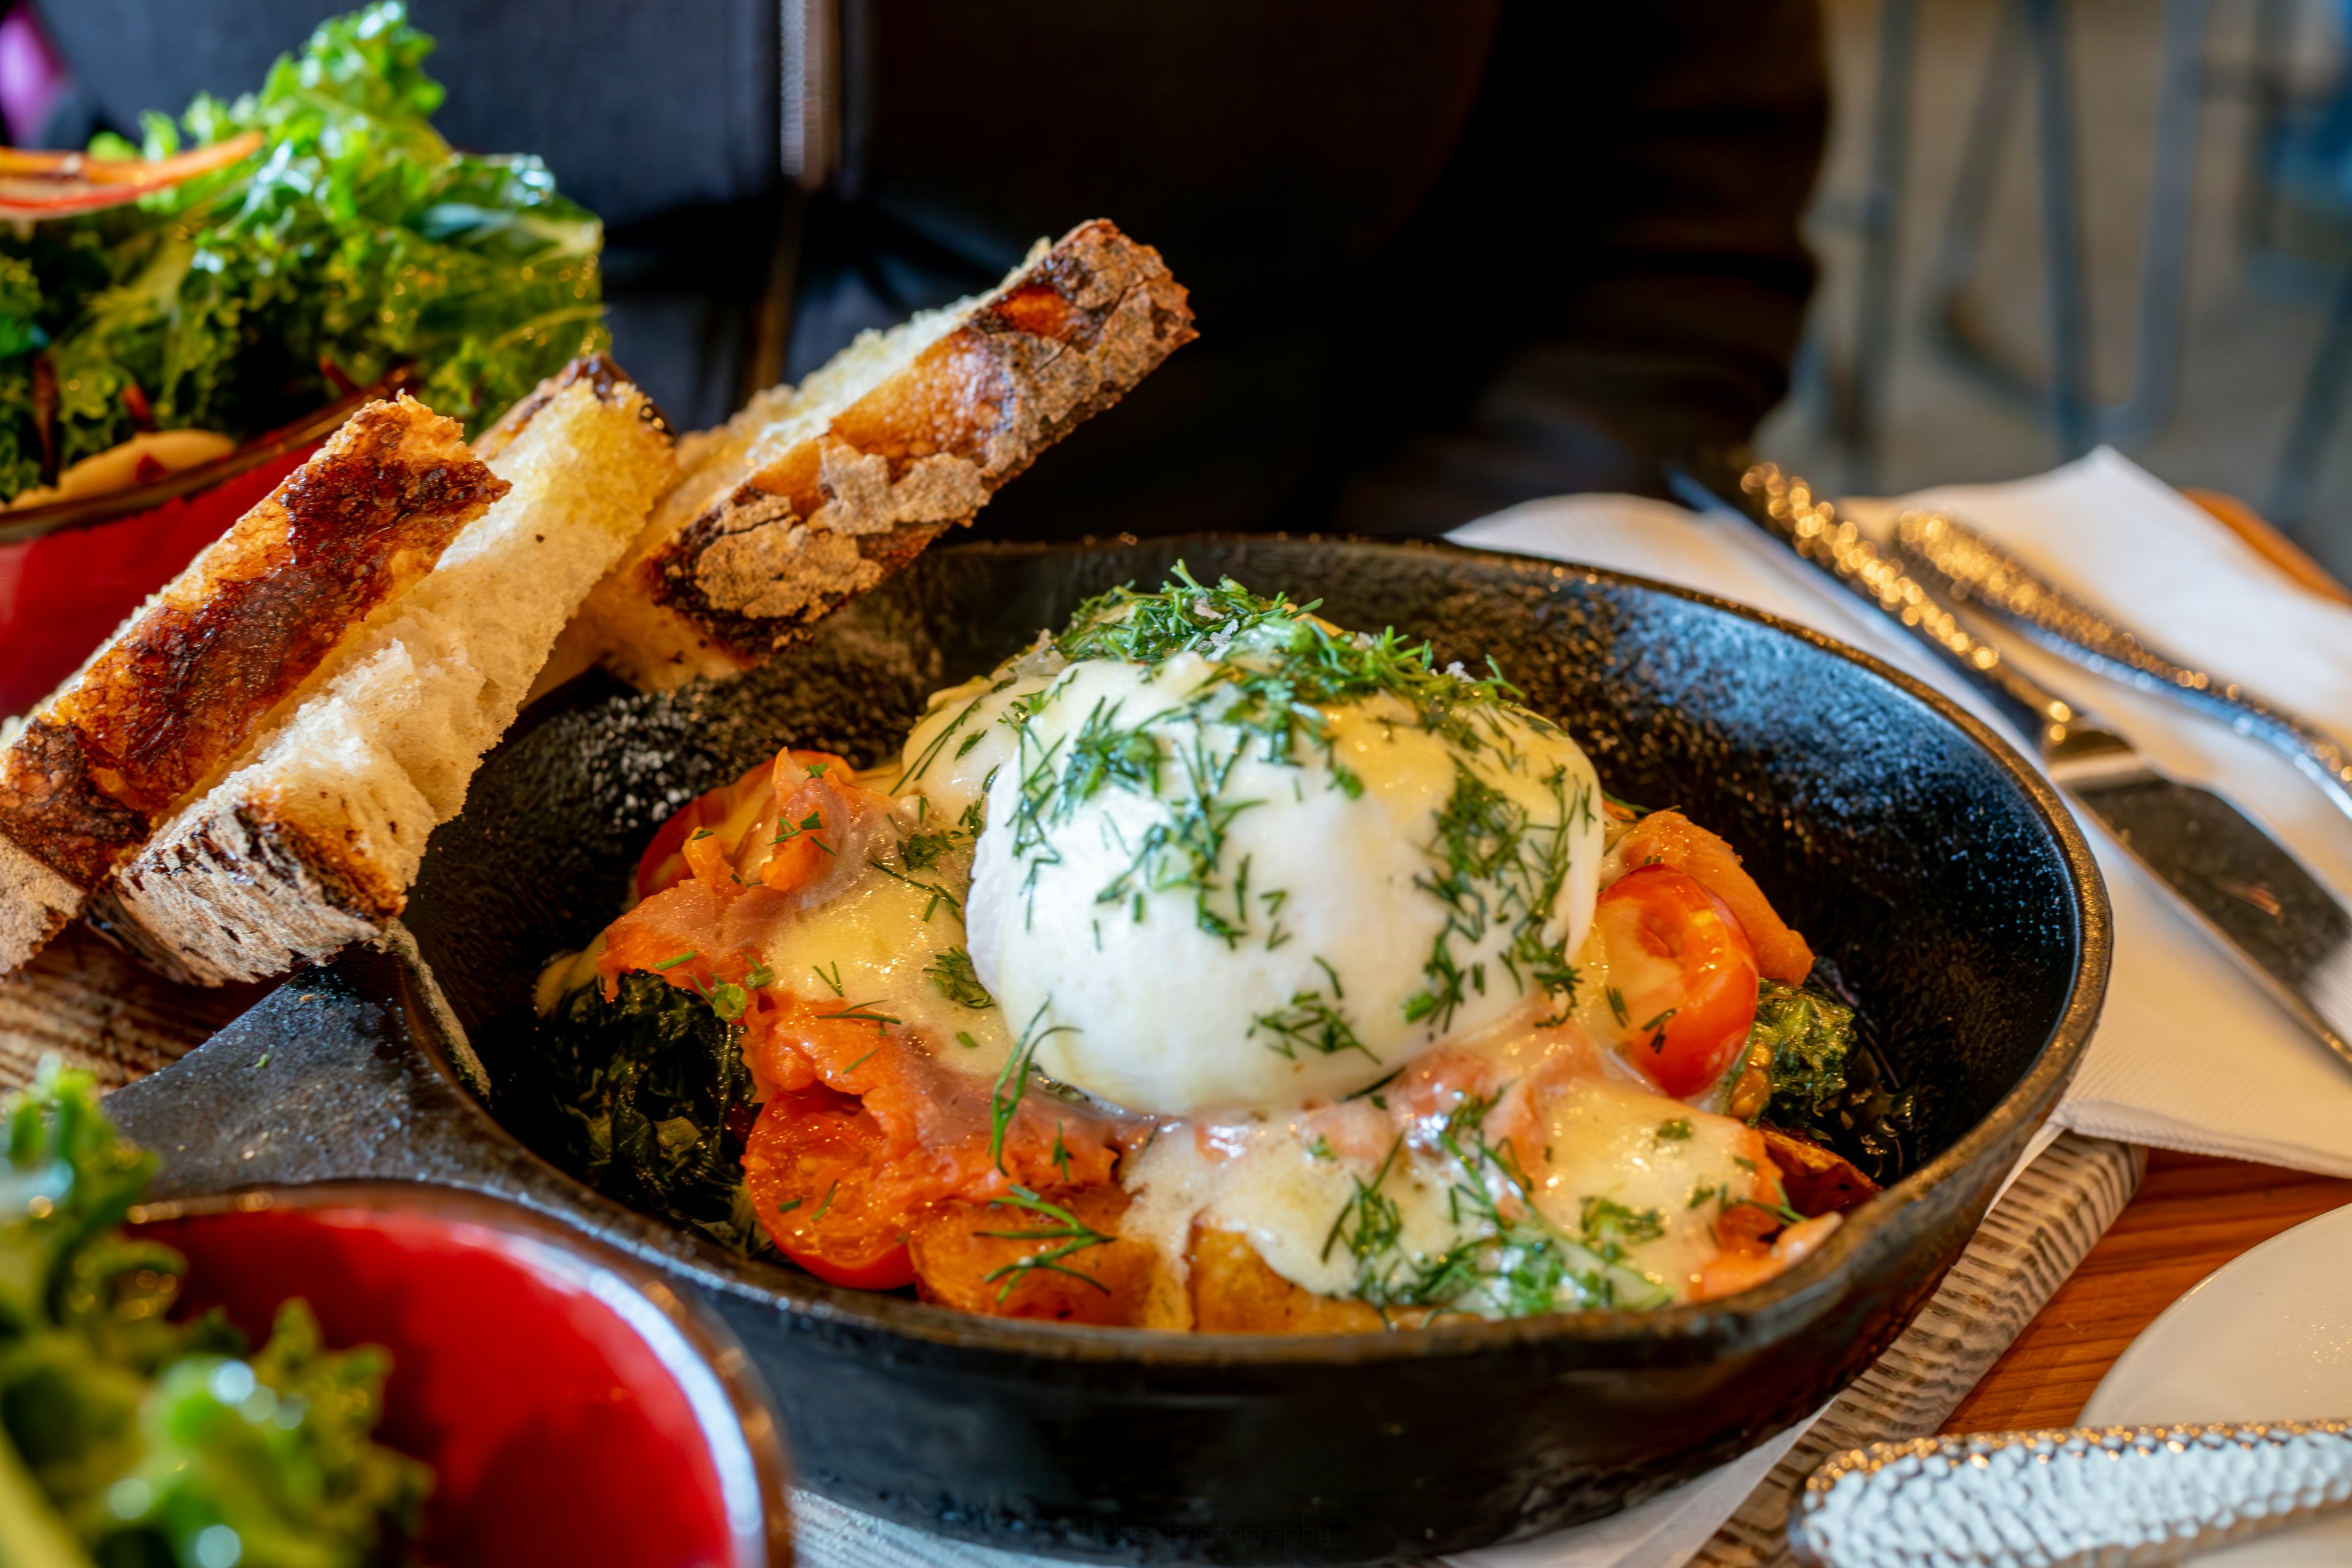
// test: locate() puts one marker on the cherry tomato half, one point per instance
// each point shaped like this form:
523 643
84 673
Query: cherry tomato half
663 865
1685 973
811 1166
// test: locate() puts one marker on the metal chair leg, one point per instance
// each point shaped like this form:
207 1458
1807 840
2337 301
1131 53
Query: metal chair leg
1880 219
2314 416
2034 38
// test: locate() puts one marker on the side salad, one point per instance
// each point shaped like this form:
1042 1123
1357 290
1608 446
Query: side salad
351 239
130 1441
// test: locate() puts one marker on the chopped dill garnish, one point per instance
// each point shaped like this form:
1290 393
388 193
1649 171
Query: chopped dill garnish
1013 1081
863 1013
951 975
1074 1234
1311 1022
832 980
938 892
1677 1130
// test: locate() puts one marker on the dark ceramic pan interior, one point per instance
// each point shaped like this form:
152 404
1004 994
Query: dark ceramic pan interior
1898 834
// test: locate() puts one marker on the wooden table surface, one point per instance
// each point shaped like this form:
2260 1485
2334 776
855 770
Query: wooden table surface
2189 1216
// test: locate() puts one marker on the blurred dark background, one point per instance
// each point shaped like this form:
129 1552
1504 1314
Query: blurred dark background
1446 257
1443 258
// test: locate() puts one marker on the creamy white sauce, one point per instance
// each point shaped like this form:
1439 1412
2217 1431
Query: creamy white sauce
1284 1183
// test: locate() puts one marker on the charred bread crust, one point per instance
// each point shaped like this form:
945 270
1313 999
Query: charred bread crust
838 512
606 379
176 693
248 892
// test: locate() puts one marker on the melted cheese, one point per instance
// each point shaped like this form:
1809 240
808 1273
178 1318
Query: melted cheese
879 939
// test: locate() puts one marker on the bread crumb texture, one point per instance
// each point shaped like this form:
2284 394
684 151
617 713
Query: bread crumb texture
178 695
813 495
315 841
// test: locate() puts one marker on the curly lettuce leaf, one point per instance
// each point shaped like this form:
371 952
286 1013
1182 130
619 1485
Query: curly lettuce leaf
128 1439
353 240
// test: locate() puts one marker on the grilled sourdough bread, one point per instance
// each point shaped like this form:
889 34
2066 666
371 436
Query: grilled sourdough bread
313 840
173 699
813 495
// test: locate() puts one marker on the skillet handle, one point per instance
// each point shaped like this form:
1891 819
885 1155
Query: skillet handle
341 1074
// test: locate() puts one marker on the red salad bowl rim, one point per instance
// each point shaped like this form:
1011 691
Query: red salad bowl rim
742 1434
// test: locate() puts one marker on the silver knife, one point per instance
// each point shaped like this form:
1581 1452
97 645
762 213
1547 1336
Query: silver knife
2091 1497
2268 910
1971 568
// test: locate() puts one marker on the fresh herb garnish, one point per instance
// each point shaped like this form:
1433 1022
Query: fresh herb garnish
1073 1234
1013 1081
863 1013
1312 1022
952 975
938 892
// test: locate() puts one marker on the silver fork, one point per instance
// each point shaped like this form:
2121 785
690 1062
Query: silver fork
1970 567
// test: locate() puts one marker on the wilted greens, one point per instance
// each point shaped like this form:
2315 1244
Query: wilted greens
1811 1034
353 240
130 1441
651 1103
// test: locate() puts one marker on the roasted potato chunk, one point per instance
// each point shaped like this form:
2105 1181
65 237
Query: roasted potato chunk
1818 1181
1236 1292
1007 1260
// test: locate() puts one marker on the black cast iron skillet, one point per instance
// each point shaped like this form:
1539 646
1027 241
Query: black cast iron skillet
1900 835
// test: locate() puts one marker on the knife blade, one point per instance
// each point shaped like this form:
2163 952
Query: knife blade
2269 911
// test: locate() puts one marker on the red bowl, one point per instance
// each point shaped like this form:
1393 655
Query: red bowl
573 1407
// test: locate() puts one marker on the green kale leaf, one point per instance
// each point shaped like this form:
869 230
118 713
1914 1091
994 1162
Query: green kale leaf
1811 1034
353 240
654 1103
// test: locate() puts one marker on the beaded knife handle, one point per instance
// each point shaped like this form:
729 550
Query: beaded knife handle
1966 566
2113 1496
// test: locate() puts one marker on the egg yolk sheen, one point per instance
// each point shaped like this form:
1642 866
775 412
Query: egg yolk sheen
1235 858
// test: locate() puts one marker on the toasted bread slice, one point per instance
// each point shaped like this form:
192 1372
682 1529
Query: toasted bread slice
813 495
176 696
313 842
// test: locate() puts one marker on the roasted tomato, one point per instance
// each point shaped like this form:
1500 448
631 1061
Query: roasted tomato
1669 838
799 803
1683 972
664 863
811 1169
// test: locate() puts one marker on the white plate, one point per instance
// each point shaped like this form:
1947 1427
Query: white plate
2266 1337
